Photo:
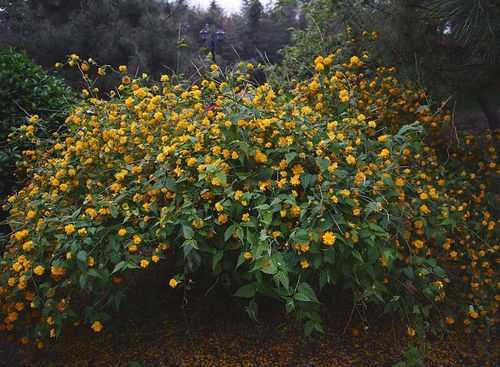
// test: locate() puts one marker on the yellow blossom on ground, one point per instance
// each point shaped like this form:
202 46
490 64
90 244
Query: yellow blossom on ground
97 326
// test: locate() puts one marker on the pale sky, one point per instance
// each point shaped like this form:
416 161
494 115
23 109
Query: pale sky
230 6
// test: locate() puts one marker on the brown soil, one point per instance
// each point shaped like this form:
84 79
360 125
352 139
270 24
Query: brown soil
223 336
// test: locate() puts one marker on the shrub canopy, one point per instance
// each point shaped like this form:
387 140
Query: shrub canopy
284 192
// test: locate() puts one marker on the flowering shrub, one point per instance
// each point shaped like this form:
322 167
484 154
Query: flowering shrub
289 192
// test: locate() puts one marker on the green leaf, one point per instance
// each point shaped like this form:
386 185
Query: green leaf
247 291
81 256
120 266
83 281
94 273
229 232
188 246
216 259
267 218
290 157
305 293
266 265
252 310
282 278
170 184
241 260
323 164
187 232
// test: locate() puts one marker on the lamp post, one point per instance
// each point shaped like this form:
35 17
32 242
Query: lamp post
212 37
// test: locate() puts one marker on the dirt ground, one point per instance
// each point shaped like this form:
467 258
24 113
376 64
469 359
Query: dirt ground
221 335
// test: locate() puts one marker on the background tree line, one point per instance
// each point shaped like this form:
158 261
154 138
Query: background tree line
148 35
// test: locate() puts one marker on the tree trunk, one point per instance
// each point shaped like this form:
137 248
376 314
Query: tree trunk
490 110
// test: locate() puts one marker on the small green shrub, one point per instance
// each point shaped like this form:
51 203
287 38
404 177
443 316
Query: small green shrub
26 90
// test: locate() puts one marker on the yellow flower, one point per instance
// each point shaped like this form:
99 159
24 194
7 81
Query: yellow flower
136 239
28 246
260 157
355 61
122 68
57 271
344 96
424 196
245 217
383 138
247 255
155 258
384 153
295 211
69 229
39 270
304 247
122 232
219 207
345 193
329 238
410 331
97 326
238 194
30 215
222 218
20 235
350 160
400 182
304 264
91 212
418 244
295 180
17 267
356 212
424 209
144 263
173 283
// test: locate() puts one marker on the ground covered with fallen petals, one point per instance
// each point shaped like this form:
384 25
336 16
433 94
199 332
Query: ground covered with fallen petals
220 335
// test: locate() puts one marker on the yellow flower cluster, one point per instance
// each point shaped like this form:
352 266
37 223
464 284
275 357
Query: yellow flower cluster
282 186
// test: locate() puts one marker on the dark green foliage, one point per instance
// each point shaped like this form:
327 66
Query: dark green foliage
26 90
